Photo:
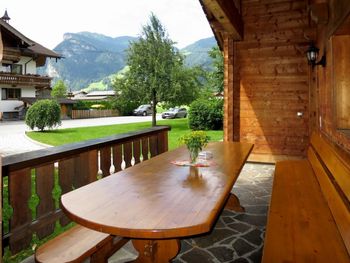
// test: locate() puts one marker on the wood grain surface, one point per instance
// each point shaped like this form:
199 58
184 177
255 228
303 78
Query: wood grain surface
157 199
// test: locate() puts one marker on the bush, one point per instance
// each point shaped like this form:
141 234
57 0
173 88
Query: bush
125 107
206 114
43 113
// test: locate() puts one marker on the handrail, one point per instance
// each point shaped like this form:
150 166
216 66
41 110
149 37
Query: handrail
68 167
19 161
11 78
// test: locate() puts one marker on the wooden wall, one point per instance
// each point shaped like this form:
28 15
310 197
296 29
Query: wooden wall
272 77
330 81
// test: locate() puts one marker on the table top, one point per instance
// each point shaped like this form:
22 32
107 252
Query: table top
157 199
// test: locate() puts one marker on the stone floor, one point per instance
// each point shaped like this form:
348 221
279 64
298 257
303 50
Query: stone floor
236 237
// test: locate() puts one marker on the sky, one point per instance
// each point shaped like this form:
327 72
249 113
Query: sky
46 21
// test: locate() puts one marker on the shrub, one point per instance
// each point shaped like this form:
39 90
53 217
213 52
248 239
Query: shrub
43 113
206 114
125 107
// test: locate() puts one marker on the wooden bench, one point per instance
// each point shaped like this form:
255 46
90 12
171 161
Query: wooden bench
78 244
309 218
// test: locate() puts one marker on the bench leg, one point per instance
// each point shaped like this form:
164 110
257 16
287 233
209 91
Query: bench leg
107 250
233 203
156 251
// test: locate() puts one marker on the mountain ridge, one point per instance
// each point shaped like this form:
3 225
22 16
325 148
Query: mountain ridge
91 59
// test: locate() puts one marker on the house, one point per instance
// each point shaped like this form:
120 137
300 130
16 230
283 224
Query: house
287 65
272 96
93 95
20 57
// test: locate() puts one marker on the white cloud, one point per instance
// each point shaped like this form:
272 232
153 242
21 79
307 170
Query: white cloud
46 21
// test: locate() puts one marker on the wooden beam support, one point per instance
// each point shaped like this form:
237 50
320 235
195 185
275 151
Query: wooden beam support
319 13
227 15
228 88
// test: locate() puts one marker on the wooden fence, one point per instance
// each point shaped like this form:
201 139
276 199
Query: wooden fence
85 114
66 167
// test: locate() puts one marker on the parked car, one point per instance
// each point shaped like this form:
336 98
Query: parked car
143 110
173 113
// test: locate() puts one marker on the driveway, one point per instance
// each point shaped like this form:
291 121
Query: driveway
13 139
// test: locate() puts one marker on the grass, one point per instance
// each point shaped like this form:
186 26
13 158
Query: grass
179 127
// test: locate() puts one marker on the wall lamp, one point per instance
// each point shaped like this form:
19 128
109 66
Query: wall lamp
312 54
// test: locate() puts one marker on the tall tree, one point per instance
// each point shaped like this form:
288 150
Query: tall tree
156 71
216 77
59 90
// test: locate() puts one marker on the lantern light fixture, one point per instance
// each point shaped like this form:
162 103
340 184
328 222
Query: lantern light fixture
312 54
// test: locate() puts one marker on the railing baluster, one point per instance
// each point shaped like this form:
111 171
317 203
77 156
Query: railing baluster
19 193
153 145
136 150
65 178
145 148
44 185
162 142
105 160
117 157
86 168
127 154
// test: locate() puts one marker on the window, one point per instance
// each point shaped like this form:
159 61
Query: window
341 78
16 68
12 68
10 94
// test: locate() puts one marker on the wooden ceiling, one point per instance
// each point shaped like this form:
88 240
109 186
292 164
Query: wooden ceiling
224 18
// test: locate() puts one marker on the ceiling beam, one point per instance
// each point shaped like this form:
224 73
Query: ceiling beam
226 13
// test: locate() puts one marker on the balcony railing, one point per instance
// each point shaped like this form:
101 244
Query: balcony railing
40 173
27 80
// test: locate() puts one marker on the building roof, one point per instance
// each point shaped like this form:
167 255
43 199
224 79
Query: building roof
79 92
5 17
30 47
101 93
31 100
90 98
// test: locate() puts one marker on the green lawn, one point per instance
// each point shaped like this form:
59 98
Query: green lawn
64 136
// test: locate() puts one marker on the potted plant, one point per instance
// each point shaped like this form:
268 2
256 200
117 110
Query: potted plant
195 141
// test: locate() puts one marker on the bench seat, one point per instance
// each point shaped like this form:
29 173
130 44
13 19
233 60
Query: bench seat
309 216
78 244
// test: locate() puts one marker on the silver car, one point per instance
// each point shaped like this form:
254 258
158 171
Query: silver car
173 113
143 110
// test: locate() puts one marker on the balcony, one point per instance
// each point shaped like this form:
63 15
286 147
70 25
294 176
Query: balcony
74 165
24 80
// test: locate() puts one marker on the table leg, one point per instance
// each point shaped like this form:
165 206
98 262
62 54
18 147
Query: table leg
156 251
233 203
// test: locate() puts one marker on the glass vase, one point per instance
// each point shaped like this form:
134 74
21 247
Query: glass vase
194 155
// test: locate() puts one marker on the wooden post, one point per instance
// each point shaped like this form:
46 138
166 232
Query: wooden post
228 88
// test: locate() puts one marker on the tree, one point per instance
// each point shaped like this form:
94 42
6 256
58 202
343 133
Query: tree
59 90
43 113
216 77
156 71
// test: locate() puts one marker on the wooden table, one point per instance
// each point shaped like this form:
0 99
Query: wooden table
156 202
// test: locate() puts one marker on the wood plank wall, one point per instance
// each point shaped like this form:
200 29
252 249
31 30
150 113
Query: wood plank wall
272 77
327 79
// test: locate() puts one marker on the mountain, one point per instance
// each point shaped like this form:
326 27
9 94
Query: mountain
197 53
91 61
88 58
